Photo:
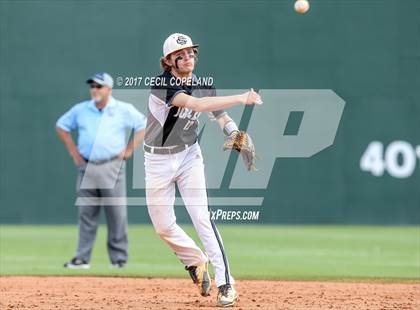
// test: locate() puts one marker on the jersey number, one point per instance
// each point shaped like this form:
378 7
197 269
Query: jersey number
188 124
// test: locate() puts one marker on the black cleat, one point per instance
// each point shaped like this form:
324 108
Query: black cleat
77 263
201 277
226 296
119 264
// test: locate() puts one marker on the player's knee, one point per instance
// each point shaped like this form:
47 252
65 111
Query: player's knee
165 231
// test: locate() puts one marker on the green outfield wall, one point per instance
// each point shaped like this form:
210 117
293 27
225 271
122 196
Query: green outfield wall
367 52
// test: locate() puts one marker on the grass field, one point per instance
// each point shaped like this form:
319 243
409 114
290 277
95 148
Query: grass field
264 252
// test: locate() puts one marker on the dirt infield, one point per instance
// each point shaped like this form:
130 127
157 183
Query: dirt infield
134 293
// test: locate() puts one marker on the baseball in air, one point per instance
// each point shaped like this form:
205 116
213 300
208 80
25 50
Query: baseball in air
302 6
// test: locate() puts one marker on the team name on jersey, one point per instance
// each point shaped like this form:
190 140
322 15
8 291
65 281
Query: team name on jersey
185 113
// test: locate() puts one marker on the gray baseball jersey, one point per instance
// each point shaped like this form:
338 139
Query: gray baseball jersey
168 125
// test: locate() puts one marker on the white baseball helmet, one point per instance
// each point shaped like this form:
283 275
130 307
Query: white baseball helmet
176 42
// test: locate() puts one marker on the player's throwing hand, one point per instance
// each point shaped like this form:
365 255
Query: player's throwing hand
251 97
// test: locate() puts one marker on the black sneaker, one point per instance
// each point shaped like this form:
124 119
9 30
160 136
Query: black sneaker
119 264
77 263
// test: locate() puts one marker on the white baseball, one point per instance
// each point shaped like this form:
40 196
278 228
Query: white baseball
301 6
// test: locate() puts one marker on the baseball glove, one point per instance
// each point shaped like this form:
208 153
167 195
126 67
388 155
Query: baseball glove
242 142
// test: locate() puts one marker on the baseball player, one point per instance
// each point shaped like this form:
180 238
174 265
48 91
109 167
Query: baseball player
173 156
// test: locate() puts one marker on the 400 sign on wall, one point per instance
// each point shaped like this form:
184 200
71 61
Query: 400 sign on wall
399 159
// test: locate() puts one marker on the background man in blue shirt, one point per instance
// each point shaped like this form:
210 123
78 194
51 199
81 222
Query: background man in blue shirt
102 124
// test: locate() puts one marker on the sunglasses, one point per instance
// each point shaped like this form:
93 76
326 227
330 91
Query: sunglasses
96 86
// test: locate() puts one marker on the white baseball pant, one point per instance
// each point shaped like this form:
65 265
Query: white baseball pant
186 169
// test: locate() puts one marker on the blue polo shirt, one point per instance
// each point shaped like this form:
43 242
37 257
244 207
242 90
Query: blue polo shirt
102 134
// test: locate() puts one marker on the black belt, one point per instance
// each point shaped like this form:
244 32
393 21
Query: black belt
100 162
165 150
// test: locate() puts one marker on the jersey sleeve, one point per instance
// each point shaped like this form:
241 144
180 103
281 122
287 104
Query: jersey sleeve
137 121
68 121
167 94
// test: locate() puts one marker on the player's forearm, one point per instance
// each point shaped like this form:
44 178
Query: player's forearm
68 142
208 104
227 124
223 120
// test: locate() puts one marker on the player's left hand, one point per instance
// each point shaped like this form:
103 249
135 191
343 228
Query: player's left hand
242 142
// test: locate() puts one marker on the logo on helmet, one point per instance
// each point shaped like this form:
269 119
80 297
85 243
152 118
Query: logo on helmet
181 40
